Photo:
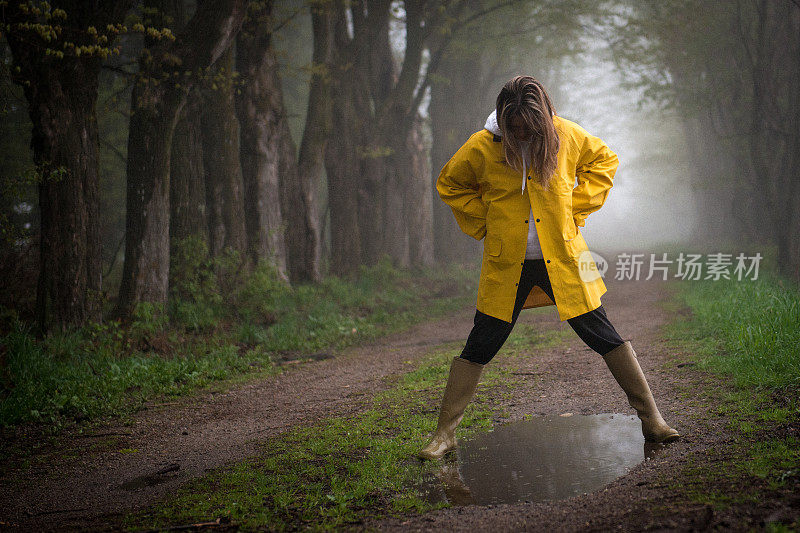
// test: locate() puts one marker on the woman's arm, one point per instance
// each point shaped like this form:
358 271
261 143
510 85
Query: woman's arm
458 187
596 167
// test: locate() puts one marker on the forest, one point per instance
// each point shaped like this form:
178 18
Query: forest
230 289
307 135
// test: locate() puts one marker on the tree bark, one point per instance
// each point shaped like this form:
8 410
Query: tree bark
187 190
223 173
394 186
311 160
62 110
155 107
342 161
187 198
259 155
793 80
296 212
379 189
61 95
419 212
771 140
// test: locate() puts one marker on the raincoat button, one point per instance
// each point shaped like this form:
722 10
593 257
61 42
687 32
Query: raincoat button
537 220
529 177
548 260
526 221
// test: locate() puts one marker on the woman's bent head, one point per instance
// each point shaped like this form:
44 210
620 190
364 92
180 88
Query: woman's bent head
525 114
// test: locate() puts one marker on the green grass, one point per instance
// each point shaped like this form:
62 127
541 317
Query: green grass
209 333
747 332
747 329
73 378
339 471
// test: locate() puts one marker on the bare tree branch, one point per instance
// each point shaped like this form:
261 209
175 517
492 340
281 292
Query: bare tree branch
281 23
119 69
436 56
114 150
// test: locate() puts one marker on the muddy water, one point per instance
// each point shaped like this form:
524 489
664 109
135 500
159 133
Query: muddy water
546 458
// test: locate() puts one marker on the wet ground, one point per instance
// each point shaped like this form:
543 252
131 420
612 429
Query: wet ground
543 459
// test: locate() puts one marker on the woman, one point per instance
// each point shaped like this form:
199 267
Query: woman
513 185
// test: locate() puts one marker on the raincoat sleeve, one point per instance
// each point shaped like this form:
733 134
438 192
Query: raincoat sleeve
595 171
458 187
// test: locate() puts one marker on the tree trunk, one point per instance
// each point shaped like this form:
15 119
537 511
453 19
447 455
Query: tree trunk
223 174
793 80
311 160
187 178
774 109
380 202
155 107
146 268
61 95
340 161
62 110
283 220
419 211
297 216
455 112
187 188
259 151
342 155
395 186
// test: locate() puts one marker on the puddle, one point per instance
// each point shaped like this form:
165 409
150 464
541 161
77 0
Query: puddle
546 458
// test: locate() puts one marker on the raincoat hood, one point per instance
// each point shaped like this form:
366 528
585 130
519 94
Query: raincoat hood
491 124
494 128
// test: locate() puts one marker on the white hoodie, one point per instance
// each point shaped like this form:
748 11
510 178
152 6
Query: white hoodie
533 250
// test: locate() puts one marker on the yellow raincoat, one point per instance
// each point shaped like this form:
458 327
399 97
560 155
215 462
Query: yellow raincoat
486 197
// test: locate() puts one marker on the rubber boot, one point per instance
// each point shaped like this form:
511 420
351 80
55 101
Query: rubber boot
625 368
461 384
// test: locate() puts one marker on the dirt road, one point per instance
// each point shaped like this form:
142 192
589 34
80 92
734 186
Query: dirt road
90 481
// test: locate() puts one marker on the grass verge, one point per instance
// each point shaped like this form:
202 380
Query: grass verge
208 334
749 333
749 330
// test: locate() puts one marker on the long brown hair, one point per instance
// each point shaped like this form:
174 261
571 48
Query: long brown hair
526 98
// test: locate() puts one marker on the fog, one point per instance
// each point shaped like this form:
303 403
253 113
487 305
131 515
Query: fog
651 202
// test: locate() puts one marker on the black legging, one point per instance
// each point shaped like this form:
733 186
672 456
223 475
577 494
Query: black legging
489 333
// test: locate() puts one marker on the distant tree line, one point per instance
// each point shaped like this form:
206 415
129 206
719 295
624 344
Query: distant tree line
732 70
